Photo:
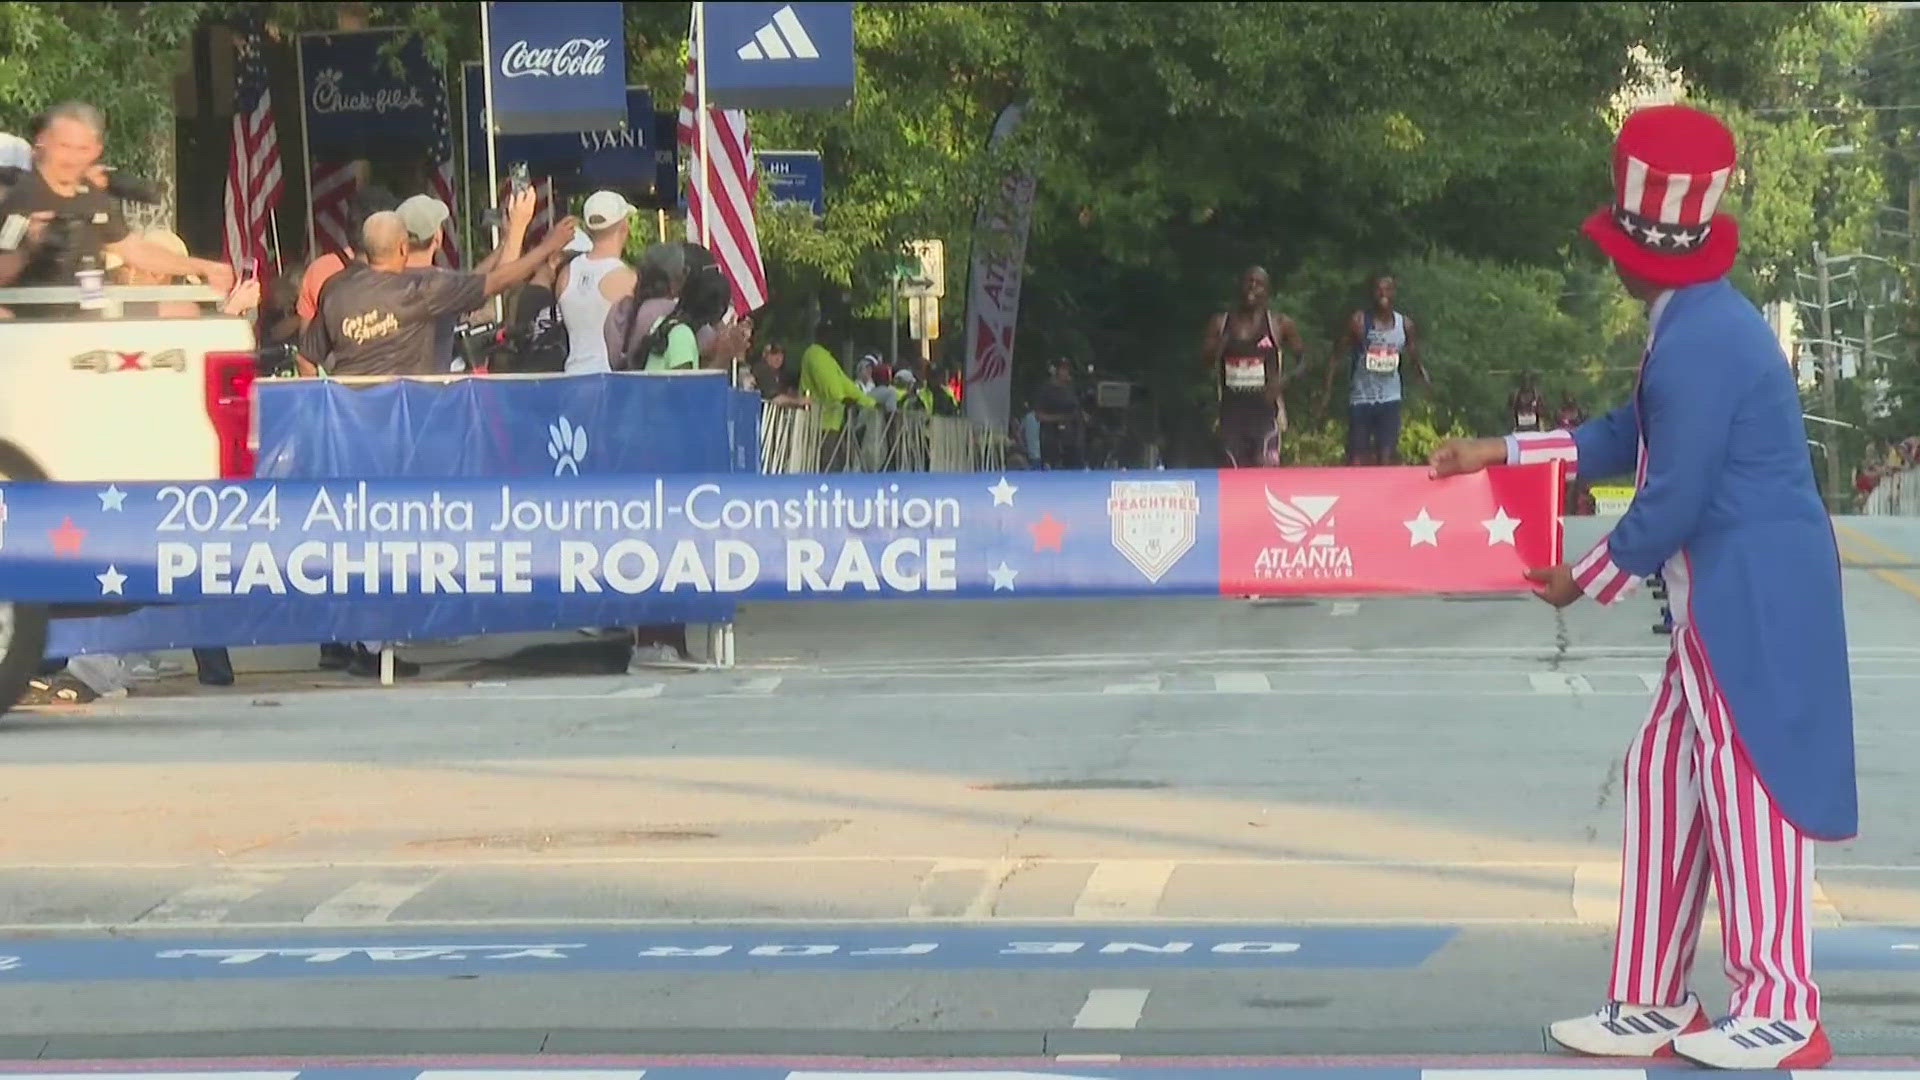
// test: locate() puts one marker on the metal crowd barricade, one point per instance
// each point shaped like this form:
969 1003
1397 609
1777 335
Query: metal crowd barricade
792 441
1895 496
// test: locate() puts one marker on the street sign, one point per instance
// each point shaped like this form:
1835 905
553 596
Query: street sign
796 176
923 318
930 277
779 55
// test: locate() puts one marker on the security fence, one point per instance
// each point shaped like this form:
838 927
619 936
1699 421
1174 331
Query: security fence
1897 495
793 440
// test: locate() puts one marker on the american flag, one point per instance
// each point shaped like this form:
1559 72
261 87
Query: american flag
734 238
440 173
331 187
253 160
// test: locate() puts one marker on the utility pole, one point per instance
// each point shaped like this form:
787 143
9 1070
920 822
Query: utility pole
1829 369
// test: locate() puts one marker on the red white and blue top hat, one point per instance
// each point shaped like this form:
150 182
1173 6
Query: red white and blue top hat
1671 166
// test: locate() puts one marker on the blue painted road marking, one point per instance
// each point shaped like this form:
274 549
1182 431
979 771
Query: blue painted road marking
716 949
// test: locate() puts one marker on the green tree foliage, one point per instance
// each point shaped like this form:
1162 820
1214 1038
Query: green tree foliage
122 57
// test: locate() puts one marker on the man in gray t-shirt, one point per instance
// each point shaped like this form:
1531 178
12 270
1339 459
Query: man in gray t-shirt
379 317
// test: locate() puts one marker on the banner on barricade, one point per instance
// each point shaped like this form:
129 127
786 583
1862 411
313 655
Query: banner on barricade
1263 532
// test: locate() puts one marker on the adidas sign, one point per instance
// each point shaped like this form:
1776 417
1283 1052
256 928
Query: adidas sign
782 38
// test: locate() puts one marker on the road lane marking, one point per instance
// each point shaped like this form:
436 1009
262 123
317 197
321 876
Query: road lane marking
757 687
650 690
209 902
1241 682
1892 577
1556 682
1651 681
1123 889
366 903
1112 1010
1144 686
1343 608
1596 892
517 1074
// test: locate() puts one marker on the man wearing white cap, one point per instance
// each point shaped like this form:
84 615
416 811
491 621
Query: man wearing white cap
589 285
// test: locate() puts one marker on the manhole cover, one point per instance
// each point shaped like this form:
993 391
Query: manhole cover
549 841
1071 785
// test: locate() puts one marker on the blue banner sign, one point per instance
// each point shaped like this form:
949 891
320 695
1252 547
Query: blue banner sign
561 425
557 67
796 176
779 55
366 89
727 948
549 540
624 158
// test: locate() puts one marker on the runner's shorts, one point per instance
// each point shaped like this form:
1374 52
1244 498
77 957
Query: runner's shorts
1249 442
1373 428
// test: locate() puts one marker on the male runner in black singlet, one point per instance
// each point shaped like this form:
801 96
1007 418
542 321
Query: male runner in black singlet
1243 349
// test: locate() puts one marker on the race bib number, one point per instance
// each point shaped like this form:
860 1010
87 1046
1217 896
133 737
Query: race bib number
1383 359
1526 419
1246 373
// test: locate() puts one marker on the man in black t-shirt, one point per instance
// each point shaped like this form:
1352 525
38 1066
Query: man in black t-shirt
57 215
379 317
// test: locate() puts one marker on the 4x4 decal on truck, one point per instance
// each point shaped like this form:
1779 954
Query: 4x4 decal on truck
103 361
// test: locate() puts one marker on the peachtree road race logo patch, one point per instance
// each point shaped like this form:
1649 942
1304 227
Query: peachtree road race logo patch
1154 522
1305 523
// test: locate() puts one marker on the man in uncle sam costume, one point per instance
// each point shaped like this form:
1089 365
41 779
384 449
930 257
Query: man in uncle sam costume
1747 753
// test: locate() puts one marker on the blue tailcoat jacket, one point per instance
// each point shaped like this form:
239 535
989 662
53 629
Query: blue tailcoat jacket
1729 490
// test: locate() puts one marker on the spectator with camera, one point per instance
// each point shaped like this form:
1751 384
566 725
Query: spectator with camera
60 218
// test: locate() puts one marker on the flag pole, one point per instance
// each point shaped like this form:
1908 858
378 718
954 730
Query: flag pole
700 81
493 155
273 233
306 142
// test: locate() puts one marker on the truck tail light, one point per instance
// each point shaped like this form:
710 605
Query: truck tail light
230 378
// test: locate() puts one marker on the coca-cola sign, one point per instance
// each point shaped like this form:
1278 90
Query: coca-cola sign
557 67
576 58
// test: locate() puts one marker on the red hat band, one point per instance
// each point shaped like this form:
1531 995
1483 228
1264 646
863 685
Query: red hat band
1668 211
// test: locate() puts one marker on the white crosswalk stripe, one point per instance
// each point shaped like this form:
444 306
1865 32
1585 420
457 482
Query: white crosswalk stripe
366 903
208 902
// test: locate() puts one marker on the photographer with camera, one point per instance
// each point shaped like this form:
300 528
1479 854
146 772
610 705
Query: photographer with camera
60 218
381 317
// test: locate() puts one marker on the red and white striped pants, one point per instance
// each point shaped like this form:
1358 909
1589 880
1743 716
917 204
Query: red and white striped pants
1694 806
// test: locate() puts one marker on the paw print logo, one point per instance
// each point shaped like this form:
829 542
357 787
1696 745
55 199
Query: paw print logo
567 446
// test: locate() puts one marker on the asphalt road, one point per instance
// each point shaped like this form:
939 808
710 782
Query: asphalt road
1006 829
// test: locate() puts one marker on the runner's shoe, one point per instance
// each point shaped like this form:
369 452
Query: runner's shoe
1751 1042
1617 1029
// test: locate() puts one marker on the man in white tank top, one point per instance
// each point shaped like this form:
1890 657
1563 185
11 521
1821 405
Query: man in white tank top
588 286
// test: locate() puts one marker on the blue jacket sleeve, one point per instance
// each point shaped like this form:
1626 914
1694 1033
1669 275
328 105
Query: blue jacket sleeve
1609 445
1689 413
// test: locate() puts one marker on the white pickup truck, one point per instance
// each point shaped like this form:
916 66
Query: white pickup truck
117 394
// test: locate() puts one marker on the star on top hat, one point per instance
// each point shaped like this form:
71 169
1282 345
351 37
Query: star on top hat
1671 165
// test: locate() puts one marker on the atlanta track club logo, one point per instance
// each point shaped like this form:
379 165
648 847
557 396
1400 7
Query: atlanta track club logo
1155 522
1309 546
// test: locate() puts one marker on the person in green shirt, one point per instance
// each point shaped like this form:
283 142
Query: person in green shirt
673 343
829 387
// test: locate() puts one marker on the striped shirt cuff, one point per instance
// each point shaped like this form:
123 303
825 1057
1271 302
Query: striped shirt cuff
1600 579
1534 447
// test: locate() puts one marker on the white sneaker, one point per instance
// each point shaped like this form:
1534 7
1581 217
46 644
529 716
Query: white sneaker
1752 1042
1634 1031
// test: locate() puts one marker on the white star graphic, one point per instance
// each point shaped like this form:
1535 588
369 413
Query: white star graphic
1423 530
1003 493
1656 235
1002 576
111 582
1500 527
112 498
